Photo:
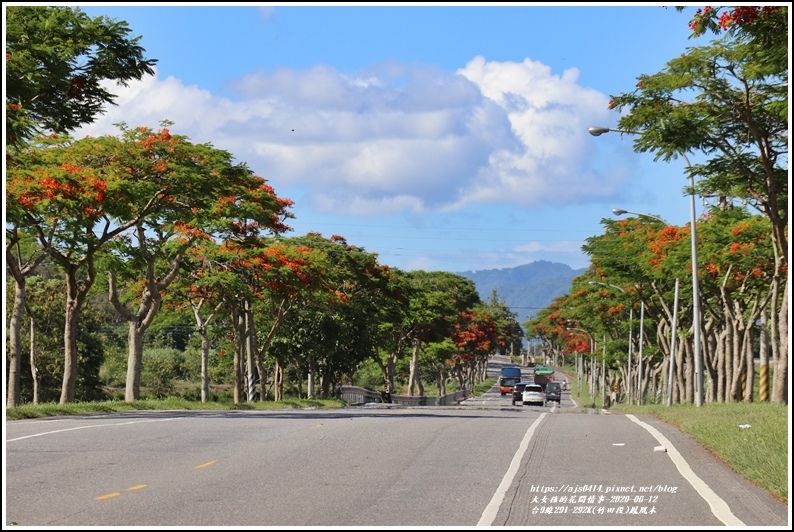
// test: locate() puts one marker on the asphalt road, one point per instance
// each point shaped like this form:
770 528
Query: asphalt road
482 463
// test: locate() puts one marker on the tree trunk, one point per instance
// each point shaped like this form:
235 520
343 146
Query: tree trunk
34 371
238 320
723 373
689 373
15 344
205 358
710 357
737 360
780 387
278 381
414 373
260 368
132 389
750 367
75 297
678 371
205 343
310 381
251 374
388 369
138 324
19 272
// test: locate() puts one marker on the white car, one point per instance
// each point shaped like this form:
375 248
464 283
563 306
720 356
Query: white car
533 393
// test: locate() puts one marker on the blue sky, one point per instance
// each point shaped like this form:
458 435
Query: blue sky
441 137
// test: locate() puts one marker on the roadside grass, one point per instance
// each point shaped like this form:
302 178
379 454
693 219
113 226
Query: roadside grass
482 387
32 411
759 452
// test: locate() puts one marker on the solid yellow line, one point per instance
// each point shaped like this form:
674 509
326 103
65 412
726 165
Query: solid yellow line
205 465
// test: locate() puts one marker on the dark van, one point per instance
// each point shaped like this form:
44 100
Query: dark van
518 393
553 392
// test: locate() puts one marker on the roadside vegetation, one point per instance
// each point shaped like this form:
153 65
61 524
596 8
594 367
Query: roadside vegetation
33 411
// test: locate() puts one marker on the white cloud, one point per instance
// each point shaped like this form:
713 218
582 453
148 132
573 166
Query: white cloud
266 12
395 138
561 246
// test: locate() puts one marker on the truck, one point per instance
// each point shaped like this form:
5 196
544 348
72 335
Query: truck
543 376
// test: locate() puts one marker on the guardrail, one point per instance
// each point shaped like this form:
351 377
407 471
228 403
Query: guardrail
355 395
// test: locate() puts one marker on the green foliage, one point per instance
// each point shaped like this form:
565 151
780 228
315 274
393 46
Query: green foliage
135 203
48 310
728 100
368 375
113 371
175 336
57 60
226 396
90 350
193 393
161 368
191 364
482 387
509 331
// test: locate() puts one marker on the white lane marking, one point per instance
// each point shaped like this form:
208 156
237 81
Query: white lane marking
90 427
493 507
719 508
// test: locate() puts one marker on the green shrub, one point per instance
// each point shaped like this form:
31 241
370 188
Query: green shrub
368 375
113 371
161 367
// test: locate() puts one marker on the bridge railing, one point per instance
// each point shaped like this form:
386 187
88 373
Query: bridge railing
356 395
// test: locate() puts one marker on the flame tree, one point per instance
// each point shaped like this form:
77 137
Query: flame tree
139 194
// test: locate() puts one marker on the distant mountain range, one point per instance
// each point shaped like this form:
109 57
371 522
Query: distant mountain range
525 289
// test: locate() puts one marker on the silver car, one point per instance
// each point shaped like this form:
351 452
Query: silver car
533 393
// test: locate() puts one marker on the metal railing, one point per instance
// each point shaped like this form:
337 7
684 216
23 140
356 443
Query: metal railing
355 395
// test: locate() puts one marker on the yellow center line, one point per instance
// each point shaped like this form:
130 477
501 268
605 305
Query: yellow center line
138 487
205 465
108 496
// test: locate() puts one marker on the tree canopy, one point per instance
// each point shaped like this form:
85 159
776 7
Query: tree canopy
58 60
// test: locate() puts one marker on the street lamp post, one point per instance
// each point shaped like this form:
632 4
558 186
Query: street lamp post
604 372
618 212
597 131
639 355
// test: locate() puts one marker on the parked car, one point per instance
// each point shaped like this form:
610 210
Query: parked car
553 392
518 393
533 393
